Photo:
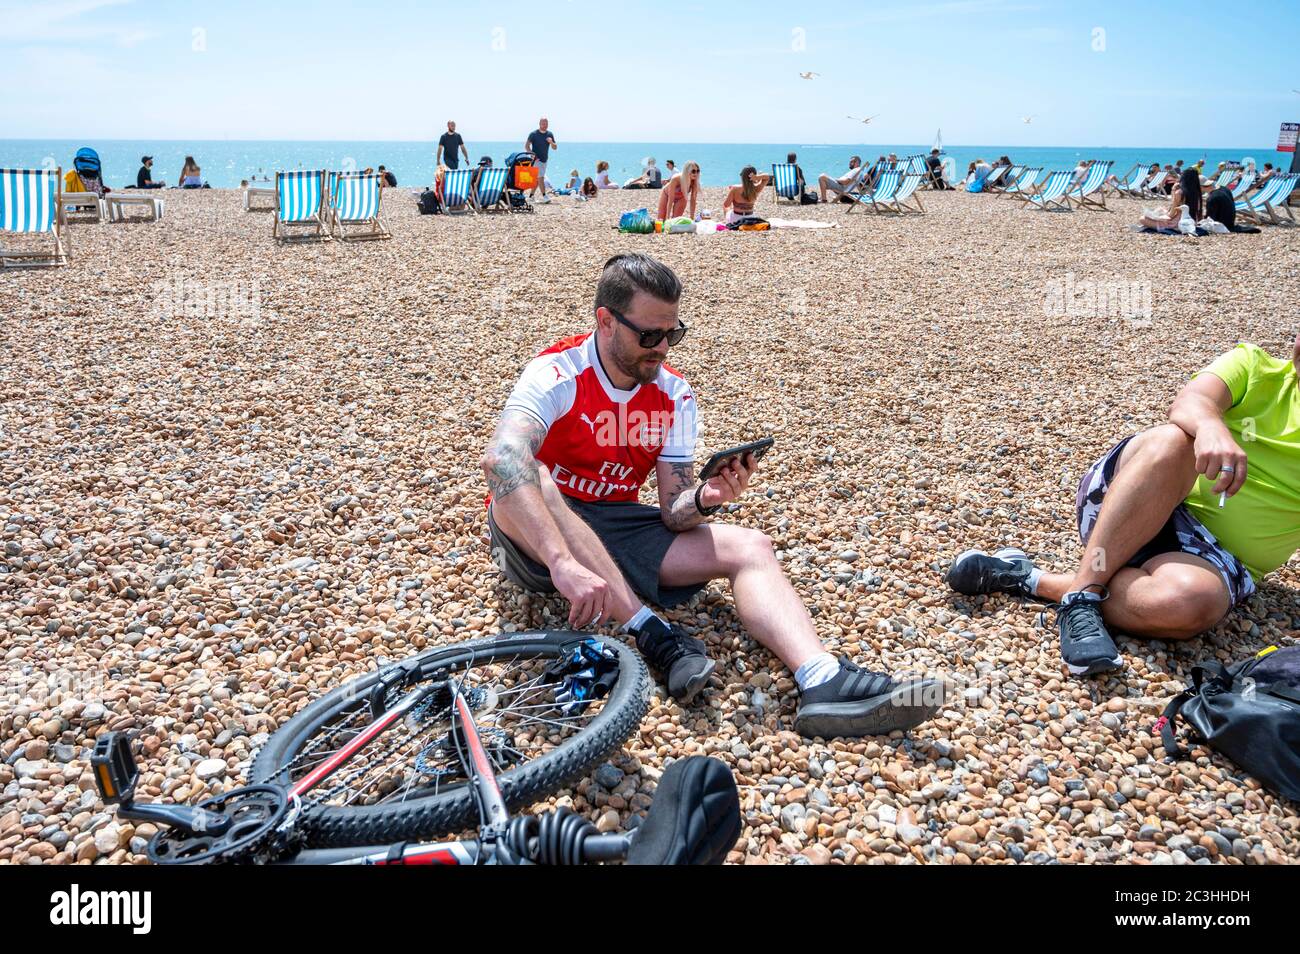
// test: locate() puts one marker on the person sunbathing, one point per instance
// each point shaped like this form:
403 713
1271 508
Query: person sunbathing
602 176
1186 193
740 199
680 189
1178 521
588 421
842 184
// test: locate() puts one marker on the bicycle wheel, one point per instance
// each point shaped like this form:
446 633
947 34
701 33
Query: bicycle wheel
408 783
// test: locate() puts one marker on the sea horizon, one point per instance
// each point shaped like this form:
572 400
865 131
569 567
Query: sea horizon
226 163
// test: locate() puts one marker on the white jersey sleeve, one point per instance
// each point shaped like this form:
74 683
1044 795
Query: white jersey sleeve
546 390
679 445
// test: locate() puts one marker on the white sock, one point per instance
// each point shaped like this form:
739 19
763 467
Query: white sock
1032 582
821 668
638 619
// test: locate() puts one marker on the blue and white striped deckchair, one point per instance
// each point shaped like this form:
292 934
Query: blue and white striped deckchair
1244 183
1090 193
1152 188
29 205
355 199
301 201
907 191
915 165
1132 183
994 178
1254 206
1120 183
785 182
1024 182
1222 180
884 192
487 197
455 190
1051 195
1272 199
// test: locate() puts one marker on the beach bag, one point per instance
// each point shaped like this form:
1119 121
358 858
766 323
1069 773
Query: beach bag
428 203
637 222
1248 712
807 198
976 186
682 223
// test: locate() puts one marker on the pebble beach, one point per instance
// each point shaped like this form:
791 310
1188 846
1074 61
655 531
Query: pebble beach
234 473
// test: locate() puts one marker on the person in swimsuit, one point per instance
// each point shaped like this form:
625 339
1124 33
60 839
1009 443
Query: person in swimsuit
741 198
190 175
684 185
1186 193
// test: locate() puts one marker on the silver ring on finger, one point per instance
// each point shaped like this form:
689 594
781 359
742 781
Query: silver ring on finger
1226 469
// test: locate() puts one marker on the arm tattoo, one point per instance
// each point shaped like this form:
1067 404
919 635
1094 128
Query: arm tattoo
681 513
512 456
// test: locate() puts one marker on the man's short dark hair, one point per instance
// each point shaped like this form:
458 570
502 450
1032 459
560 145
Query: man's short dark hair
791 157
624 275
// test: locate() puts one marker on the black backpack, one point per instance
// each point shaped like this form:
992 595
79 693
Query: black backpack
429 204
1249 712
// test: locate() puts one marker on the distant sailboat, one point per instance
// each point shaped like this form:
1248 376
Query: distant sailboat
938 139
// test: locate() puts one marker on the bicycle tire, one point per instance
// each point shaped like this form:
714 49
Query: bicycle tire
425 817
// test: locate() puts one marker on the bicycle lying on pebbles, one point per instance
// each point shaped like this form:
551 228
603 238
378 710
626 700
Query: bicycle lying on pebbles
452 739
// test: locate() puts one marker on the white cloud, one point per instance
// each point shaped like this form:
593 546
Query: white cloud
62 22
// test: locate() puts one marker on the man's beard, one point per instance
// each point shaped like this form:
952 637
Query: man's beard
636 367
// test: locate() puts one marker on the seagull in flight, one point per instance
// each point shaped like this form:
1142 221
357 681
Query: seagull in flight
808 75
1026 119
867 120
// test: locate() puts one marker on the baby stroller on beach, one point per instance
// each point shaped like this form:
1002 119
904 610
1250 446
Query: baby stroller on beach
522 176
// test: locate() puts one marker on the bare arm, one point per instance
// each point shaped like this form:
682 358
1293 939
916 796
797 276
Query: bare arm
1198 410
676 482
511 467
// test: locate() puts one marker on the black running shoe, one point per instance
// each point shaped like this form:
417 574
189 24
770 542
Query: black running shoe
1086 646
1006 571
857 702
678 658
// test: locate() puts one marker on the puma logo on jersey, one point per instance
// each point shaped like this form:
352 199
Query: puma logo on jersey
589 422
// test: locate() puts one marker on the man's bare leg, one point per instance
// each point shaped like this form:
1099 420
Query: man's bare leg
765 601
584 544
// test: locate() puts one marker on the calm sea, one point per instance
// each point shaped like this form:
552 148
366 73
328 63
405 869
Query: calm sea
225 163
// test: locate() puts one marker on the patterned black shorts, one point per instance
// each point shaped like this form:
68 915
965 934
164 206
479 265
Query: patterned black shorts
1182 532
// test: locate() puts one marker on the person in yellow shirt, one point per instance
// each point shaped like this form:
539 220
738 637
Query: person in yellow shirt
1177 521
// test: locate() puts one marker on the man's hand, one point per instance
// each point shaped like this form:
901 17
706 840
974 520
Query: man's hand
729 482
1218 458
588 595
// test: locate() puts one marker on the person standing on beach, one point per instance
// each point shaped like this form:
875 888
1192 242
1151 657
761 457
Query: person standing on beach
1177 521
585 425
540 142
450 148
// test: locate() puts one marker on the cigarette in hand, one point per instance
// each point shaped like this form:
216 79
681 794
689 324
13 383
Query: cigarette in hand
1223 496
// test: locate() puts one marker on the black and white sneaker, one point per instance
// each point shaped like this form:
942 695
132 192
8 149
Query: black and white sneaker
857 702
1086 645
1006 571
678 658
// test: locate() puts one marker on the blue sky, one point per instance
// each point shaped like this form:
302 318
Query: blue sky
1099 73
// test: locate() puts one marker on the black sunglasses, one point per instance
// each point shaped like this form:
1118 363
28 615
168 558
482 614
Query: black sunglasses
650 339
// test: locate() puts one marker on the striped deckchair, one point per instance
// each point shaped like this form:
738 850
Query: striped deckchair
993 178
455 190
488 195
785 182
1270 200
1243 184
355 199
1152 188
1051 196
1132 183
915 165
884 192
29 205
907 191
1025 181
1223 179
301 201
1090 193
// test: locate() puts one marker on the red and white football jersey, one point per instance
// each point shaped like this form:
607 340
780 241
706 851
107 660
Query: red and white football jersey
601 442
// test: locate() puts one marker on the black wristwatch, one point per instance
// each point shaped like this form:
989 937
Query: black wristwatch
705 511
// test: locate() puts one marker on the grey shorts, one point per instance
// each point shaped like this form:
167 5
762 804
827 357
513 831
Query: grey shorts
634 535
1182 532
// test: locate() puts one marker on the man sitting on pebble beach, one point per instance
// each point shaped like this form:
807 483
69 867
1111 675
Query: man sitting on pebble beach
1176 521
582 429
